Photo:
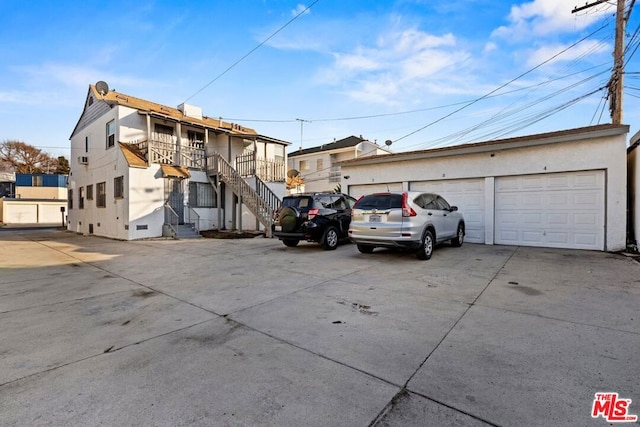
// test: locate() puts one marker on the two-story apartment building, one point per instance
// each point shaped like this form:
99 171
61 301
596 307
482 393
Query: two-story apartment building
141 169
318 166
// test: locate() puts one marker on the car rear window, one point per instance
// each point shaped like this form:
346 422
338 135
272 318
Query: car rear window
297 202
380 201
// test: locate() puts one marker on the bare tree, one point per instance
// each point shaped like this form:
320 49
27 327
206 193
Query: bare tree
20 157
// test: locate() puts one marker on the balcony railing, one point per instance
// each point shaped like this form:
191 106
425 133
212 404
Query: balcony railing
164 150
267 170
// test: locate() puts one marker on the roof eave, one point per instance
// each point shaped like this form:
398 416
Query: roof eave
571 135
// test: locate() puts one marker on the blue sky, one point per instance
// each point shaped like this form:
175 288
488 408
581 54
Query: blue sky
406 71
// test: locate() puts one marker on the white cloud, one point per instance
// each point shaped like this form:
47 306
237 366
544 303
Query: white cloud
299 9
399 64
544 53
545 17
74 76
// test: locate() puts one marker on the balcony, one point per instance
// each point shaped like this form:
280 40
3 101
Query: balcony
267 170
164 149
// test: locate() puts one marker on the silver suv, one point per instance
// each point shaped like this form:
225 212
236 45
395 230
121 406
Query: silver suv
410 220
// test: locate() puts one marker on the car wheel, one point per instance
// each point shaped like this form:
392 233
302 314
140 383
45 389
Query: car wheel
365 249
291 243
330 238
288 219
426 246
459 239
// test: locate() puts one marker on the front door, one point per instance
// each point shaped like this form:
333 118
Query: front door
175 197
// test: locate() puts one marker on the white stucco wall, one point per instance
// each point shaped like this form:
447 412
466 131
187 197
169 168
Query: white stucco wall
144 195
607 153
19 211
633 181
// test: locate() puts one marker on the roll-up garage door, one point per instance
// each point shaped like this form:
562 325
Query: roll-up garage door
467 195
562 210
359 190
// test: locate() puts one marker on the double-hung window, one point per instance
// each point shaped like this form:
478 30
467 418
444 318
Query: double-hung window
111 133
101 194
118 187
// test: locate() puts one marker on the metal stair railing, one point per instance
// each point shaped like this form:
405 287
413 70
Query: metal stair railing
267 195
171 218
193 218
218 165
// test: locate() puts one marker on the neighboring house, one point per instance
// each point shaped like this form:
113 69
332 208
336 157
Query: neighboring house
7 184
318 166
35 199
141 170
565 189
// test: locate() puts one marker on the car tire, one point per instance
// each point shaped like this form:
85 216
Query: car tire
459 239
292 243
426 246
330 238
289 218
365 249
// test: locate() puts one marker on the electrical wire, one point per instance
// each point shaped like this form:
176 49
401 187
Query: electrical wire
500 87
254 49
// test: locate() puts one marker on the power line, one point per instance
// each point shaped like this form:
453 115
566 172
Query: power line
254 49
500 87
420 110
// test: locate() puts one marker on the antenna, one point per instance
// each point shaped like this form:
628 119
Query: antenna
102 87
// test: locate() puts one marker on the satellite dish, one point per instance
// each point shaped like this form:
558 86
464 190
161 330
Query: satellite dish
388 142
102 87
292 173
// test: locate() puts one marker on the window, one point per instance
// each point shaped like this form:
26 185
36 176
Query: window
319 164
90 192
70 199
196 139
442 204
427 201
86 144
101 194
81 198
36 181
111 133
118 187
163 133
201 195
304 165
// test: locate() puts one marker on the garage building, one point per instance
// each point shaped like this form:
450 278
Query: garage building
565 189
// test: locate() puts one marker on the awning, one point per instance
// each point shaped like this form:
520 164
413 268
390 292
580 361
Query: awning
171 171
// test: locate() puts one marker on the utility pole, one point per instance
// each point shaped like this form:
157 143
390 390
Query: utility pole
302 122
616 82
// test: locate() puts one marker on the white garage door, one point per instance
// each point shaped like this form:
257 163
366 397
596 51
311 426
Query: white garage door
467 195
19 213
562 210
359 190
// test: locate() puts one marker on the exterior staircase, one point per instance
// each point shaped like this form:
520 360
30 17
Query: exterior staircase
262 202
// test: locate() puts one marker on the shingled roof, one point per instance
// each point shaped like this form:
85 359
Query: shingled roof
350 141
116 98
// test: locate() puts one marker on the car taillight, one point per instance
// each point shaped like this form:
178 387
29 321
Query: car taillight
406 209
312 213
357 201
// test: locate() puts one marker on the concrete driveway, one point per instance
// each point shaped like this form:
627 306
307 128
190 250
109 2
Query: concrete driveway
250 332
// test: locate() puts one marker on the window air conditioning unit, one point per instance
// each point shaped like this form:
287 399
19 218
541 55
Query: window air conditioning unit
83 160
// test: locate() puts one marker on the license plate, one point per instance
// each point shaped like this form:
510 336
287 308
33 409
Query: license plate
277 227
374 218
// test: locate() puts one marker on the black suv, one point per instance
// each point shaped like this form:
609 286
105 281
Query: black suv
314 217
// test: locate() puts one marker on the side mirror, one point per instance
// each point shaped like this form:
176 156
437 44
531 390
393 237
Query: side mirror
453 208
